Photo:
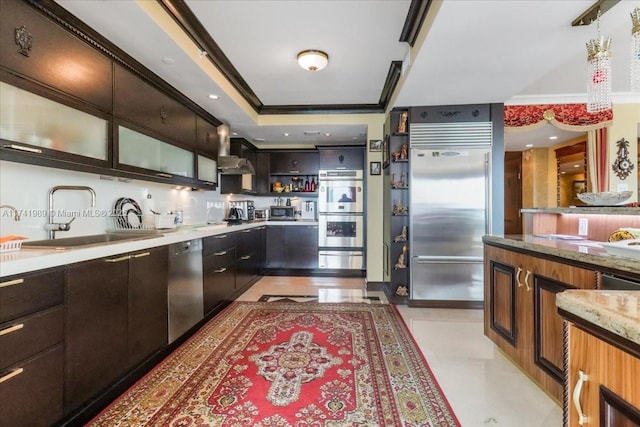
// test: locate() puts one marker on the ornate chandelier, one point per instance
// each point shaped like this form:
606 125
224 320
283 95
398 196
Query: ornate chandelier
635 50
599 72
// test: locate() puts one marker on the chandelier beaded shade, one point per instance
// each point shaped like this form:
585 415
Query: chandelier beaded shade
599 72
635 50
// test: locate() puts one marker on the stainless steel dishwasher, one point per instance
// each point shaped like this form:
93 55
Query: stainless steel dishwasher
185 287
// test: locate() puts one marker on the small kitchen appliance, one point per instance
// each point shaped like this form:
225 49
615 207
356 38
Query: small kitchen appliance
282 213
243 210
308 210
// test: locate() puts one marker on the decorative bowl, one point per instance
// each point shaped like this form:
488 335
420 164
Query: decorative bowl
610 198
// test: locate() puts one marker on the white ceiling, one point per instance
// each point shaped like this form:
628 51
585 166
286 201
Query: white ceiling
475 51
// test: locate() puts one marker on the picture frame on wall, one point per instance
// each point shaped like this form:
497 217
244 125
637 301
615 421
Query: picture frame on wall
375 168
375 145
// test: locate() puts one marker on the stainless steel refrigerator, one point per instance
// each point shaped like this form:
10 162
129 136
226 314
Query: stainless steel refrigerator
449 213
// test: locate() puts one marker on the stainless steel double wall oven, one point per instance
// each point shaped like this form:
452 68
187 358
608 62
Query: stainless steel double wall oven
341 219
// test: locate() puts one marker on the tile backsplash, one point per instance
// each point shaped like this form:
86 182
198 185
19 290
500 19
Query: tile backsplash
26 187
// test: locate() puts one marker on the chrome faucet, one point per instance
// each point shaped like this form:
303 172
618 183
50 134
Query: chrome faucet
51 226
16 215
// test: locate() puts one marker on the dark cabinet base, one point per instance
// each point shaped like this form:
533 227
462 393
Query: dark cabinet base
33 397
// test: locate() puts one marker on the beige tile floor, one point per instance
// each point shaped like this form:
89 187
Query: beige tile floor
483 387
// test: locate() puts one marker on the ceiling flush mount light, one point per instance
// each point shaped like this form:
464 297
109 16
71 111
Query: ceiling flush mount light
213 96
635 50
599 72
313 60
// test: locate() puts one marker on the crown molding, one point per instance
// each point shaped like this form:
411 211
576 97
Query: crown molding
570 98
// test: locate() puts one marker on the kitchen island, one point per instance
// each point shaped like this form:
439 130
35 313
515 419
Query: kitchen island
523 276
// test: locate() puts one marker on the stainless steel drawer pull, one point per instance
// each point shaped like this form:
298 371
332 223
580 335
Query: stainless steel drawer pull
246 257
122 258
11 374
164 175
11 283
222 236
220 270
23 148
10 329
220 253
143 254
208 183
246 231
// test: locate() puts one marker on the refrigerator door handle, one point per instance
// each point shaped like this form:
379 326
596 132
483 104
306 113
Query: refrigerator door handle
487 193
447 259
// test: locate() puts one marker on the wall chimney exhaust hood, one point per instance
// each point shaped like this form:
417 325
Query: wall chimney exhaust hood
228 164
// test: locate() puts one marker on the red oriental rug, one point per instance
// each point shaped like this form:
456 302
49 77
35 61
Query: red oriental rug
290 364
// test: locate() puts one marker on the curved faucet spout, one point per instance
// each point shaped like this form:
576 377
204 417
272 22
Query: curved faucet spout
16 215
53 227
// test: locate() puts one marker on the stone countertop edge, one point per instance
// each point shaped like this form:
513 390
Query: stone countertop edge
28 260
596 210
615 311
597 257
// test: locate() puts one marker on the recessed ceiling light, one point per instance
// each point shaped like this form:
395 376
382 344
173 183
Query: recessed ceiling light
168 60
553 137
213 96
258 139
286 134
327 134
529 145
234 133
354 137
576 166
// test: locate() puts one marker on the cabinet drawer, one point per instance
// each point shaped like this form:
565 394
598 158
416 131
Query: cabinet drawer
33 396
218 286
26 336
218 243
219 259
24 294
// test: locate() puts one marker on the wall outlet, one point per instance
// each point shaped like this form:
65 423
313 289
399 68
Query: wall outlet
583 227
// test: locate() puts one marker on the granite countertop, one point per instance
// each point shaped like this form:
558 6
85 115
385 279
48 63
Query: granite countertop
27 260
585 251
594 210
616 311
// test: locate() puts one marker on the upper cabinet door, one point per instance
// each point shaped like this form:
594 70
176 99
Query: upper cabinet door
35 47
207 138
342 159
140 103
295 162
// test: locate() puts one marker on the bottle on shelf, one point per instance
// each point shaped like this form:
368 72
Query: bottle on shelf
307 185
313 184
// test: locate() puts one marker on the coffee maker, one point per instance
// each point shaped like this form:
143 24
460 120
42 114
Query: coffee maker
308 210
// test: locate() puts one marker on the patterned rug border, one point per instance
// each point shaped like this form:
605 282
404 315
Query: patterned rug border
435 392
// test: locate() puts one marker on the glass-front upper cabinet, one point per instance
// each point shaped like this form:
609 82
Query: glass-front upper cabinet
207 170
142 151
27 118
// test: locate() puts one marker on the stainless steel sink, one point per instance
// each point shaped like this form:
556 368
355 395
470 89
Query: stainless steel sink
84 241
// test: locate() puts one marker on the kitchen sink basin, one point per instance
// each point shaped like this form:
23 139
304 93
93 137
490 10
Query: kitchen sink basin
84 241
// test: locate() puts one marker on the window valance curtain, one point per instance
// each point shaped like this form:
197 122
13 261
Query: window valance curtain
570 117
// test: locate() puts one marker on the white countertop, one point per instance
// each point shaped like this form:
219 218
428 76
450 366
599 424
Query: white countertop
27 260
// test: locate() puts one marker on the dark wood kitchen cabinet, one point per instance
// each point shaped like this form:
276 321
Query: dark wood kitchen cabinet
348 158
218 269
248 256
521 317
292 247
139 102
207 139
292 162
148 306
82 72
116 316
31 348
